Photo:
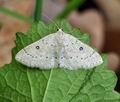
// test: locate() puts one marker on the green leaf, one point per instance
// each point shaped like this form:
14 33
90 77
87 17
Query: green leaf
19 83
15 14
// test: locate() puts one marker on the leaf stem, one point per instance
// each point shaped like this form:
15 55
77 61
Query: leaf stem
15 14
73 4
38 10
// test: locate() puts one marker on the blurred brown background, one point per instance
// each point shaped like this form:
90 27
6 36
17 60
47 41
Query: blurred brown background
100 18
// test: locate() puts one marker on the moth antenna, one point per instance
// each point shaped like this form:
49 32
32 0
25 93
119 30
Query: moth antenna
51 21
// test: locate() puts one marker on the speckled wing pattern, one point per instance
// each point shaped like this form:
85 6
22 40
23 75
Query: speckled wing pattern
59 50
75 54
40 54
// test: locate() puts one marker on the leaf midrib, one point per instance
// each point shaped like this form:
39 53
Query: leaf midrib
47 86
30 86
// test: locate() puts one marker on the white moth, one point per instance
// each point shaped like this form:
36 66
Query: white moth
59 50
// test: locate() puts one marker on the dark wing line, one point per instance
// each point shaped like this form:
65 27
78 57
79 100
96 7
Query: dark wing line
89 55
29 54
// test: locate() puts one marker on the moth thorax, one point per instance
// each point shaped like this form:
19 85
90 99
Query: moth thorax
60 36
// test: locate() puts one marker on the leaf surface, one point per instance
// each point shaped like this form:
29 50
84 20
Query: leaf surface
19 83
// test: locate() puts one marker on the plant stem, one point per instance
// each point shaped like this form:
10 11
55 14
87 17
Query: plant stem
14 14
73 4
38 10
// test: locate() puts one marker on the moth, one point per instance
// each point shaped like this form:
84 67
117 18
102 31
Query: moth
59 50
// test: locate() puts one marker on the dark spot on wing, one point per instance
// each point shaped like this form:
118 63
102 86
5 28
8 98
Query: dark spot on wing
71 57
62 57
37 47
81 48
55 57
76 41
58 64
52 45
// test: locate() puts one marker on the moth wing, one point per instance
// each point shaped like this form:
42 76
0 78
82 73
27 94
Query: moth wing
40 54
75 54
